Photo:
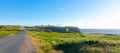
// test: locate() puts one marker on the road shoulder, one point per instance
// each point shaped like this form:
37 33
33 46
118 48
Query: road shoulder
27 46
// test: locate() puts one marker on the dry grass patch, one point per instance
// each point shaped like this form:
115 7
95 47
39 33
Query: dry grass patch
42 46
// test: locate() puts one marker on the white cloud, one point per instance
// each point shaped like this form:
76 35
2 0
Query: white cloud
108 17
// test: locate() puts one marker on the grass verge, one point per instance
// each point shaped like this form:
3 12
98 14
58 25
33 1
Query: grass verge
7 33
53 42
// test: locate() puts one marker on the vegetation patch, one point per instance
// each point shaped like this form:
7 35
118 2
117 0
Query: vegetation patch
86 47
55 42
8 30
7 33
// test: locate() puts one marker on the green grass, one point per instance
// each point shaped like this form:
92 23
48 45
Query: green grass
54 42
7 33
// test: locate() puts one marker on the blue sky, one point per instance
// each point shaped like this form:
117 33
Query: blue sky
80 13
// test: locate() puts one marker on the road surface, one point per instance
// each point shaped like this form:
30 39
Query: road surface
12 44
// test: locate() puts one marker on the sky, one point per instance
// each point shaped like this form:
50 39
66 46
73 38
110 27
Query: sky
92 14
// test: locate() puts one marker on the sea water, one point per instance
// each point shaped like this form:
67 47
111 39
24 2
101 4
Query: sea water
103 31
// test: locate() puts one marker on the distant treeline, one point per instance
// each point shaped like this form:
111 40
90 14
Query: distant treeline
11 27
41 28
54 29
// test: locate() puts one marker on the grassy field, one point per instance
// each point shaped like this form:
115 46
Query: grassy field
53 42
7 33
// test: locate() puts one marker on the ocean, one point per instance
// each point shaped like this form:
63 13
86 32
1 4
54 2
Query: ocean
102 31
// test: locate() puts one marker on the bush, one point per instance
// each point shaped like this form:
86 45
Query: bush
85 47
